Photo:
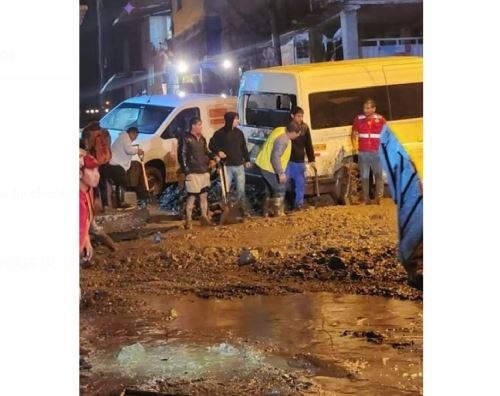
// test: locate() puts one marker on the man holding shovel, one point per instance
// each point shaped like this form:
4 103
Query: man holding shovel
196 161
122 170
229 144
272 160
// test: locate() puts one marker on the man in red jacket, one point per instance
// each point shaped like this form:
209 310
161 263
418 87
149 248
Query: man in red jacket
366 129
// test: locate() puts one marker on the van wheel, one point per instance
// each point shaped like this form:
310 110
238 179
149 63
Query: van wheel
155 179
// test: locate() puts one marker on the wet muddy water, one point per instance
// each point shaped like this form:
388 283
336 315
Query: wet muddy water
347 344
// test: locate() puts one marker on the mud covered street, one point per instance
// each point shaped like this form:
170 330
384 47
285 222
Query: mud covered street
311 303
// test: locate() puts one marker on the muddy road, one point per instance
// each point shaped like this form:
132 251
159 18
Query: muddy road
311 303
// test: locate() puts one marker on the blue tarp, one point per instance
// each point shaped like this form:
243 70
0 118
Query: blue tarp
405 188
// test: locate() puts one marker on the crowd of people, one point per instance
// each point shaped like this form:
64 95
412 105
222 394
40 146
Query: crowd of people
281 162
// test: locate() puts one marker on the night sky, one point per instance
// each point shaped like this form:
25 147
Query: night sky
89 67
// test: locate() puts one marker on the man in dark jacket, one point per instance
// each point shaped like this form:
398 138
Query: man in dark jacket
195 164
229 144
296 167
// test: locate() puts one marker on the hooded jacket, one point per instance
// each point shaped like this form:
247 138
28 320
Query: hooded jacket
231 141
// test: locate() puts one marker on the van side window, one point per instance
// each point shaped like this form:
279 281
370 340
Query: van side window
180 123
338 108
269 109
407 100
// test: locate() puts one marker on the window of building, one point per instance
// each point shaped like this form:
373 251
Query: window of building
338 108
269 109
180 124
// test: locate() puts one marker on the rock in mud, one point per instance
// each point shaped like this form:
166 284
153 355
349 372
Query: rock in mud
371 336
248 256
172 314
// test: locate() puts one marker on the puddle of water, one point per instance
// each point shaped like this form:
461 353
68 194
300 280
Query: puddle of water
299 333
184 361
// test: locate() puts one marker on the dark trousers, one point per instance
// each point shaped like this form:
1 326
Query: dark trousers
273 186
132 178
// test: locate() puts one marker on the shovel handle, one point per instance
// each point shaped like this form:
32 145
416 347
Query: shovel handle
316 182
222 183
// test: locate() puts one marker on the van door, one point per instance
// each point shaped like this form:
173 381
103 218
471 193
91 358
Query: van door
174 131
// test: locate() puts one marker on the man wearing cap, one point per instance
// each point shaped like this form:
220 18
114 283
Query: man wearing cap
89 179
273 160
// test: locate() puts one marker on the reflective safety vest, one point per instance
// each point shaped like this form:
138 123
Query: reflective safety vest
263 159
369 129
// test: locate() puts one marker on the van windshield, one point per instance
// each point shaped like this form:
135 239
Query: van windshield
268 109
146 118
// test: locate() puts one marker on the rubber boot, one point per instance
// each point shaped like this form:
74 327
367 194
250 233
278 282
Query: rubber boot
205 221
266 207
280 207
276 207
244 208
120 195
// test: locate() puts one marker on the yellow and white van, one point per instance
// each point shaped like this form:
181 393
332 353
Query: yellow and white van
160 120
331 94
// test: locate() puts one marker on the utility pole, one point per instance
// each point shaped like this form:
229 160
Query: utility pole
275 32
100 49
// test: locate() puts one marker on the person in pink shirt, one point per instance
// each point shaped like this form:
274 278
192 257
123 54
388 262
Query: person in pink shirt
89 179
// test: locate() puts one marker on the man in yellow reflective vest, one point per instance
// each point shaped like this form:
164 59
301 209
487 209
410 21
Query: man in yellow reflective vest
272 161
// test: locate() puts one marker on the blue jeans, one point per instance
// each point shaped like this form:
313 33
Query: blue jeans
273 185
366 161
295 172
236 173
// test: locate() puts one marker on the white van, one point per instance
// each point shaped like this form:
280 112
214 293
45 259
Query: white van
331 94
160 119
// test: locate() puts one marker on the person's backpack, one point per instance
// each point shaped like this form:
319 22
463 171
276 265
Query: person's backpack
102 146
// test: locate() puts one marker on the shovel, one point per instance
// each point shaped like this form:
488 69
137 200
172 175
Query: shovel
319 200
347 195
229 212
152 196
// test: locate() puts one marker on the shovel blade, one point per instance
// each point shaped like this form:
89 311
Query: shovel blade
229 215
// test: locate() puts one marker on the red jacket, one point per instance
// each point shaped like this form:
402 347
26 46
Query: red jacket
86 215
369 129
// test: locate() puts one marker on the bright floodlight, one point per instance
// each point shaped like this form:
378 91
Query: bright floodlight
87 111
182 67
227 64
223 95
106 110
182 94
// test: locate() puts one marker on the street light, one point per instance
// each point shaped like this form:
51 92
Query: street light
227 64
182 94
182 67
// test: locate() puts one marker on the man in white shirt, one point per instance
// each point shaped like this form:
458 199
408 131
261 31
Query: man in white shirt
122 170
